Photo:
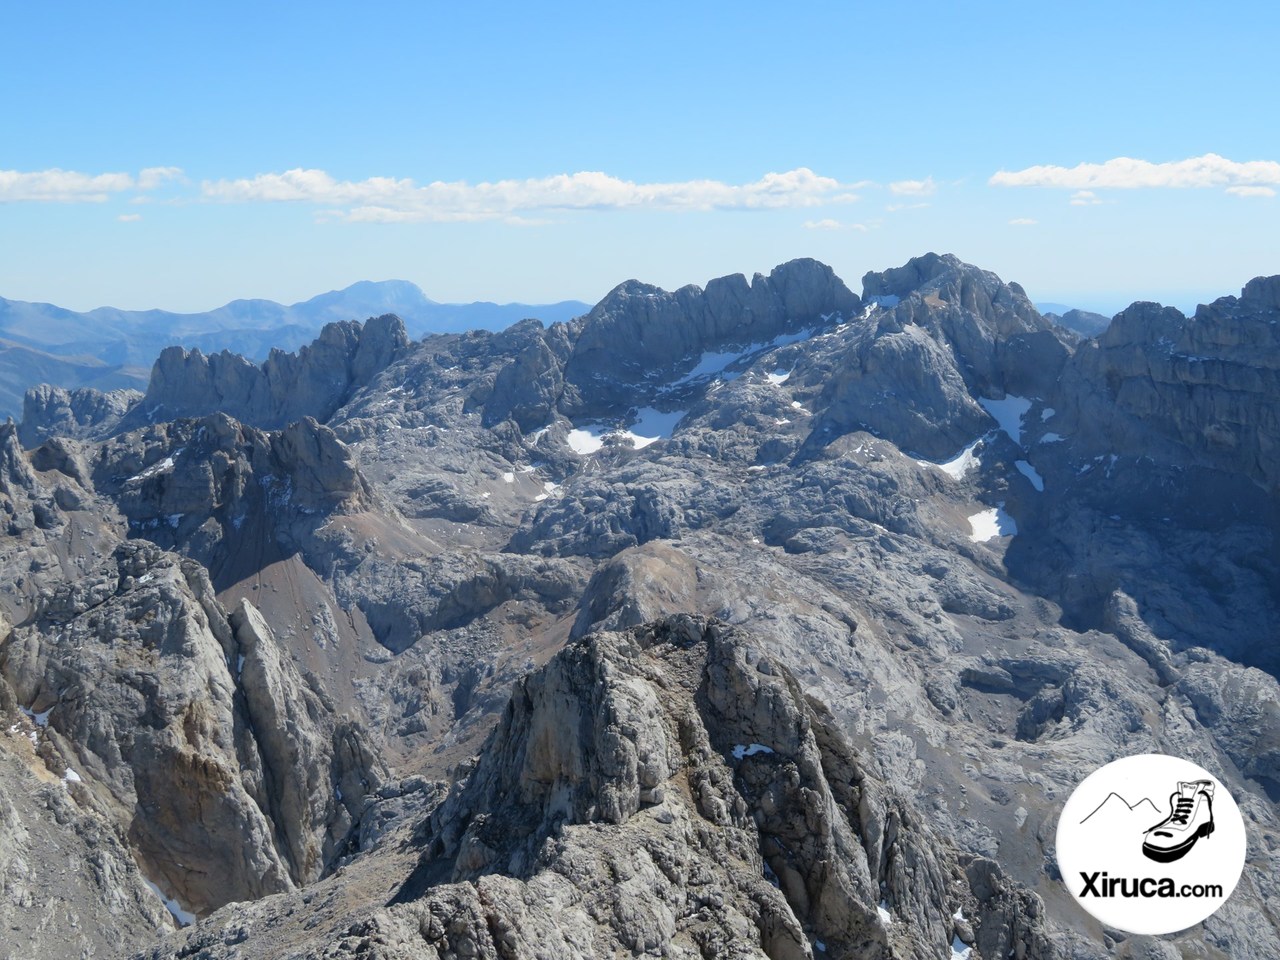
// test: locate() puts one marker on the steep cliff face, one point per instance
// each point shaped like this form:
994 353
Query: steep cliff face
1198 389
313 382
189 730
685 744
56 412
640 336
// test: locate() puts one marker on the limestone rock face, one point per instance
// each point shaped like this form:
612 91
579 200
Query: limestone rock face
1004 342
187 729
529 389
1160 384
673 792
639 333
54 411
313 382
68 886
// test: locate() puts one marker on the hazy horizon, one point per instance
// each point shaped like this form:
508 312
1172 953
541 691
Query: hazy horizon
1107 303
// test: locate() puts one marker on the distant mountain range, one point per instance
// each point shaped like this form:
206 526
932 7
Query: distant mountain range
111 349
1084 322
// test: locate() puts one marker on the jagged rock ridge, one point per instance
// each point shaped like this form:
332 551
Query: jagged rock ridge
927 505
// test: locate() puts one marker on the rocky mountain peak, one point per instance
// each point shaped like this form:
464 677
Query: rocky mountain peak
945 281
1143 323
902 281
287 386
1182 389
1264 291
639 333
683 743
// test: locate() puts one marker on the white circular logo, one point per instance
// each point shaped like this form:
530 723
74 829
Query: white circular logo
1151 844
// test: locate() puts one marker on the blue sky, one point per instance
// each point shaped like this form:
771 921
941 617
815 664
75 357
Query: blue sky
181 155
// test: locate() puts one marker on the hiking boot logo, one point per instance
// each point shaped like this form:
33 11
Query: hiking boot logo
1190 818
1125 854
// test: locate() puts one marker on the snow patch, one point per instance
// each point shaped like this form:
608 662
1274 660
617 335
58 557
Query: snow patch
174 519
651 426
1051 438
709 365
1031 473
992 523
958 467
714 363
40 719
882 908
959 951
184 917
70 776
778 376
161 466
509 477
743 750
1046 413
584 441
1008 413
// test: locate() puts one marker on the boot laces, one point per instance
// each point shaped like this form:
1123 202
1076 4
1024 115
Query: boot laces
1183 810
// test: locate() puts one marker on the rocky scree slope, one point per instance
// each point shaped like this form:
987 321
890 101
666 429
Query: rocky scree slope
942 515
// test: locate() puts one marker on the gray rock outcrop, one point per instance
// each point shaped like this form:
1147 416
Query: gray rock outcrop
56 412
1159 384
313 382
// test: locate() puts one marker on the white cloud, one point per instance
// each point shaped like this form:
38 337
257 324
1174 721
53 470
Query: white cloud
62 186
1251 191
1023 222
829 224
71 186
153 177
1125 173
129 217
391 200
913 188
1085 198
